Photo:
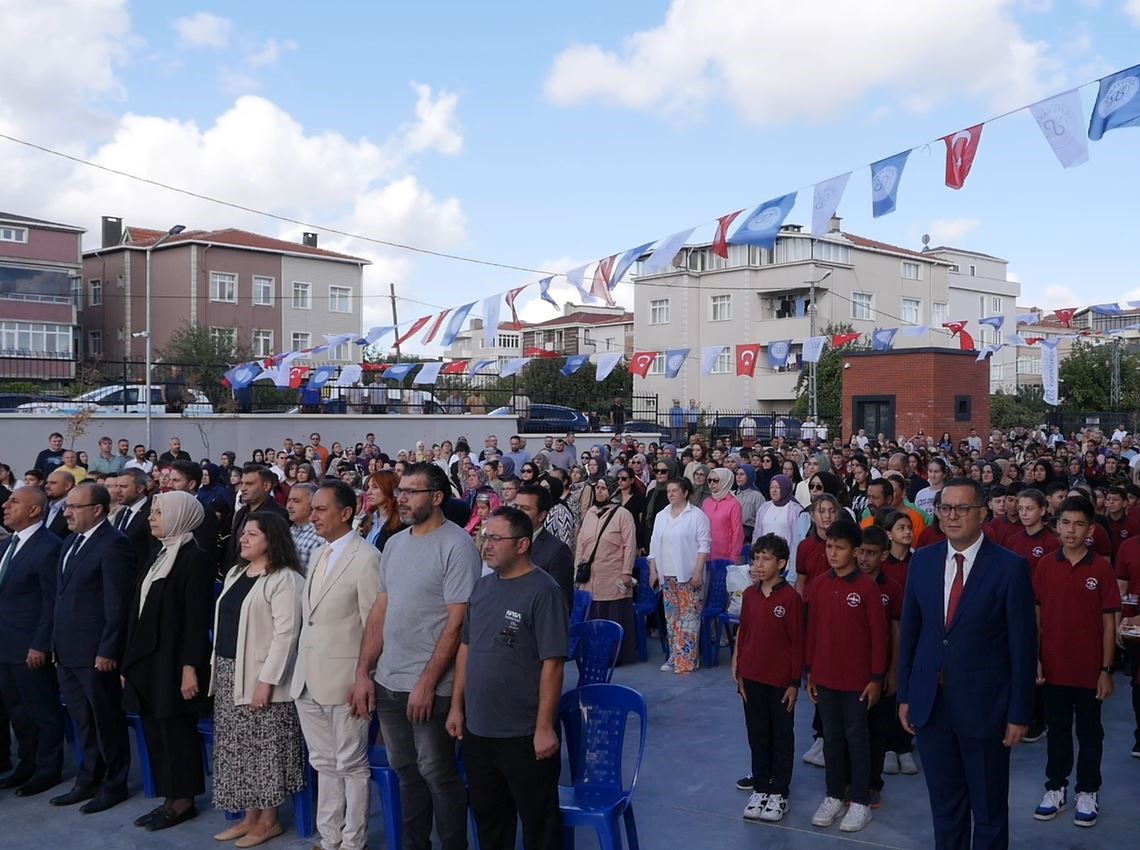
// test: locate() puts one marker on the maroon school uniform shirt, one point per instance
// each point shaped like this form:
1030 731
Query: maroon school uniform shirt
847 632
1032 547
1127 564
770 641
895 568
1122 529
931 535
811 558
1098 540
997 528
1071 599
891 595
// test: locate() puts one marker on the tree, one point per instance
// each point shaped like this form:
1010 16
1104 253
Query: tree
204 359
828 379
543 382
1024 408
1086 378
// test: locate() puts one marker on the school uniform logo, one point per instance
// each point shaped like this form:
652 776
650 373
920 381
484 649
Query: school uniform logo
1123 533
886 599
1038 551
779 611
1091 583
854 600
1089 540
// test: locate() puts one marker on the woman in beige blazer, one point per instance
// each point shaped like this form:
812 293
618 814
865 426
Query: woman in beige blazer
258 750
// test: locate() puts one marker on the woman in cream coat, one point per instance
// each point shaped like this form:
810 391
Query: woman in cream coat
258 750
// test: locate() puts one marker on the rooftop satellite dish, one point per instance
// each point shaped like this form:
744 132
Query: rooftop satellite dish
925 239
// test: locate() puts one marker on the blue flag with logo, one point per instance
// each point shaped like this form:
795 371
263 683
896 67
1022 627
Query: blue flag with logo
242 376
626 262
322 376
883 338
574 363
994 322
480 366
1117 103
886 174
675 361
778 352
398 371
1106 309
763 223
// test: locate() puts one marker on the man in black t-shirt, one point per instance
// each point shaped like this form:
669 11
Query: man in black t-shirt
51 458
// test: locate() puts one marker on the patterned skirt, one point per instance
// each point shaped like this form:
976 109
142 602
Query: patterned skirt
259 758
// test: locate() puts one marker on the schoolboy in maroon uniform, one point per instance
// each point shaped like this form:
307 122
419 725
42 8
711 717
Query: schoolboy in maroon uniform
767 665
1012 518
1032 539
1120 523
1077 604
846 664
996 525
883 716
1127 568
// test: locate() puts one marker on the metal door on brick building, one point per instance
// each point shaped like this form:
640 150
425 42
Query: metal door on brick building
874 414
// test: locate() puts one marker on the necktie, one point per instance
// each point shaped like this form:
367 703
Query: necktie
124 518
956 588
13 544
319 571
75 545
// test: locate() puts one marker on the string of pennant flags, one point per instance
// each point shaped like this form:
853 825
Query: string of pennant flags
1058 117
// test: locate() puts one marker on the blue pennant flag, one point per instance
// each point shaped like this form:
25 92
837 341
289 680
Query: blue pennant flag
376 334
480 366
398 371
513 367
778 352
544 291
1117 103
675 361
763 224
1106 309
994 322
455 324
606 363
574 363
322 376
577 278
242 376
883 338
626 261
886 174
1028 318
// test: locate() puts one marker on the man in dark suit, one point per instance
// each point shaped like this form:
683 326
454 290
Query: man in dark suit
28 563
57 486
133 517
95 583
967 670
256 491
186 476
546 550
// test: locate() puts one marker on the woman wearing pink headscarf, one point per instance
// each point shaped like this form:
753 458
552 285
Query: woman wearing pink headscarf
725 519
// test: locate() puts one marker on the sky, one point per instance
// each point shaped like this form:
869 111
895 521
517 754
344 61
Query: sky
542 136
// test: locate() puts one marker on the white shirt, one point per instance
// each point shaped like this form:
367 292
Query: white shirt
335 550
677 540
145 465
951 568
22 537
53 510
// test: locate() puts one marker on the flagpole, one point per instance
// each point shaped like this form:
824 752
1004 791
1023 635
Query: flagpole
395 321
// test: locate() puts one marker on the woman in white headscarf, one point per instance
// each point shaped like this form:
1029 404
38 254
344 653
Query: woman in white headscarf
167 657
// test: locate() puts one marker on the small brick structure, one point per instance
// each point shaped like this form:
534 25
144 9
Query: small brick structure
902 391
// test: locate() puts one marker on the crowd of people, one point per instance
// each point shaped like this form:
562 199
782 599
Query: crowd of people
310 594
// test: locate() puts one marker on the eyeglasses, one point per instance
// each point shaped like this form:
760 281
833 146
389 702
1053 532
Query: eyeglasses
661 470
815 486
499 538
623 478
407 491
956 510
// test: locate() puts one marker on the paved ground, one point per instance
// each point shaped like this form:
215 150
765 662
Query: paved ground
685 796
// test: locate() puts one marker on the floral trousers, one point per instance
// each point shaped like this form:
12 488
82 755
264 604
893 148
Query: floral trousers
683 604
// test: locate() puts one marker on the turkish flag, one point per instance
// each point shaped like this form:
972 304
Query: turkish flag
296 375
1065 317
539 352
410 332
1033 340
839 340
455 367
961 147
746 359
958 329
640 362
720 241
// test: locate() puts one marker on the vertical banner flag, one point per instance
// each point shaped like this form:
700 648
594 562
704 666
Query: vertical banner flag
813 348
958 329
1060 121
435 326
994 322
1050 373
666 250
961 148
627 260
640 363
606 363
512 295
576 278
886 174
478 366
675 361
413 330
600 286
428 374
492 304
455 324
720 240
513 366
709 355
397 371
1117 103
544 292
778 352
574 363
746 359
763 224
825 201
883 338
349 375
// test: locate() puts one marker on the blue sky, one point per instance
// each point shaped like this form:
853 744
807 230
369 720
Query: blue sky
555 134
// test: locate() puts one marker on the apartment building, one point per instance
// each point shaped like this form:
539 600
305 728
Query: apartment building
581 329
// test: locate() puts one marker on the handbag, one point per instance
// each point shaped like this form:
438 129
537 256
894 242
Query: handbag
584 570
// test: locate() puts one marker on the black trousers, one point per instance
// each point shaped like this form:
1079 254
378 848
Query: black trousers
1061 704
95 702
771 737
879 720
32 701
175 755
846 743
506 784
5 737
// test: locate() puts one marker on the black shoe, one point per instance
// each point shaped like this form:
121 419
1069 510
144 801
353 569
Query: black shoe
143 820
103 801
168 818
744 783
76 795
37 785
15 780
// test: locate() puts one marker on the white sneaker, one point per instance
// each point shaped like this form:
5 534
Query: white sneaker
907 765
857 817
756 804
1088 808
815 754
890 763
667 667
827 812
1051 805
776 809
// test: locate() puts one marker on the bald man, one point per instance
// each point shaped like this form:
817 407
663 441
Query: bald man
59 483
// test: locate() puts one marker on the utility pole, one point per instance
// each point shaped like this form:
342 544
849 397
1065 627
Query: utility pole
1114 388
813 385
395 321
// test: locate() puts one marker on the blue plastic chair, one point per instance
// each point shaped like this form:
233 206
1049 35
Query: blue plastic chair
582 601
645 600
144 755
715 604
388 784
594 723
597 644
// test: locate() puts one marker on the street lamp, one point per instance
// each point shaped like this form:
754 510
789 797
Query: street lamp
174 231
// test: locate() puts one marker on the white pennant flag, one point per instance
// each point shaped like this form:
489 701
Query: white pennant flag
709 355
813 348
1063 127
825 202
664 253
917 330
513 367
606 363
491 307
428 374
349 375
1050 374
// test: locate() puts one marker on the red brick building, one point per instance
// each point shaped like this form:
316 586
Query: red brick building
900 392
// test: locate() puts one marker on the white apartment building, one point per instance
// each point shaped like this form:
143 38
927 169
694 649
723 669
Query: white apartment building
581 329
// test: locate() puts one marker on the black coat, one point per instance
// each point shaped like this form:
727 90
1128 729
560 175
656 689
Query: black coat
551 554
170 633
138 533
58 526
27 597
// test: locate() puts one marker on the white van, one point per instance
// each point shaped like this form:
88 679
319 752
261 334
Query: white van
120 398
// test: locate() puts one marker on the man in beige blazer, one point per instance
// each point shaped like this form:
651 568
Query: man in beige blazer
343 580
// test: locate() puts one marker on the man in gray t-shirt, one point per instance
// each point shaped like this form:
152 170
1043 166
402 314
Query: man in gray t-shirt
508 680
408 652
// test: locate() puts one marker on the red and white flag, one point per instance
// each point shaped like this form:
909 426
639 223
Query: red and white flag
961 147
746 359
840 340
600 285
435 326
417 325
1065 316
456 367
958 329
640 362
720 241
511 296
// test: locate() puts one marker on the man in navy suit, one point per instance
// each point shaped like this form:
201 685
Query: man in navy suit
967 670
28 561
133 518
95 582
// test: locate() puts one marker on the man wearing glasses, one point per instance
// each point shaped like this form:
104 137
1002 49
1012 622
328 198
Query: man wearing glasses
967 670
407 655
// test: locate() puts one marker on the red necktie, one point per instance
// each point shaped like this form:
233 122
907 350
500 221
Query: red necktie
955 588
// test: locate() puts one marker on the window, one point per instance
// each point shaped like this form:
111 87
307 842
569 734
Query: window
263 343
508 341
340 352
35 339
973 270
862 306
77 292
659 311
340 299
223 287
262 291
224 339
911 271
1029 365
302 295
13 234
791 250
911 311
94 343
95 292
938 313
962 408
954 267
725 362
996 304
720 308
299 340
832 252
658 367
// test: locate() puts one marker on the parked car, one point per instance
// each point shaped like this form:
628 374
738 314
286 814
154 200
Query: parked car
10 402
642 426
549 418
767 426
119 398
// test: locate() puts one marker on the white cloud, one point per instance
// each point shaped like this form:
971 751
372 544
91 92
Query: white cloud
778 62
270 52
951 231
203 29
435 127
1132 9
236 83
1060 296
